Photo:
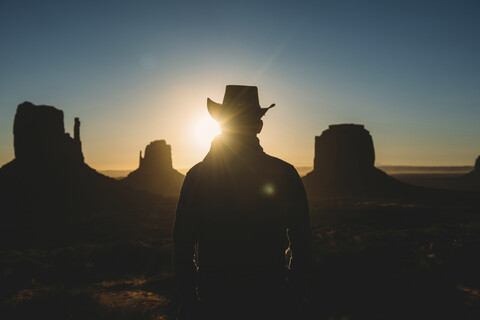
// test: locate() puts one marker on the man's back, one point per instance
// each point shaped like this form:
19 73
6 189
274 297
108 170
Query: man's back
236 206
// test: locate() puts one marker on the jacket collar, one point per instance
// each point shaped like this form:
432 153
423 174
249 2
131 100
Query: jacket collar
229 146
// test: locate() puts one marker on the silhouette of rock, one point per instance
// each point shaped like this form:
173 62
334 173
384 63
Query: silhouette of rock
344 165
40 138
49 169
155 172
49 196
470 181
344 149
158 157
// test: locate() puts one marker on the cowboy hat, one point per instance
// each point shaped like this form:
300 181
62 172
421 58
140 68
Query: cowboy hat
237 101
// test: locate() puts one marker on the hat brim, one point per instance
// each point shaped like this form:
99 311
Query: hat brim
216 110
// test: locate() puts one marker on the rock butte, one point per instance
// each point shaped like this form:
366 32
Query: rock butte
344 165
48 173
471 180
155 172
40 137
344 149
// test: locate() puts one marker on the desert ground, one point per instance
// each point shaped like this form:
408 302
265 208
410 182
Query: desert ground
372 259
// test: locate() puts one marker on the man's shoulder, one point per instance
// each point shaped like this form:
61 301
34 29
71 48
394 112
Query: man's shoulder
278 164
195 169
266 162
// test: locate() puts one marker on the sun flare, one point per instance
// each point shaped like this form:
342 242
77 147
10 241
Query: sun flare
204 130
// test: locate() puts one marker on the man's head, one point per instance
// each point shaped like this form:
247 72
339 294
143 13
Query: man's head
240 112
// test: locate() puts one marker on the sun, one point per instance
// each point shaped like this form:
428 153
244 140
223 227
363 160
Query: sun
204 130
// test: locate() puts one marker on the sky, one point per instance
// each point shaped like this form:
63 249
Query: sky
138 71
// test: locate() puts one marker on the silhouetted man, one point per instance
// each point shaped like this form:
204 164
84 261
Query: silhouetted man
239 210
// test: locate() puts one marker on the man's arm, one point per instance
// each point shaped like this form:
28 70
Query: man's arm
299 233
184 240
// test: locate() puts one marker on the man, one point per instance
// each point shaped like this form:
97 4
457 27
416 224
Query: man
239 210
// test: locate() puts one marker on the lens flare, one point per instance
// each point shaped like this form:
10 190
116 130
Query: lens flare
268 189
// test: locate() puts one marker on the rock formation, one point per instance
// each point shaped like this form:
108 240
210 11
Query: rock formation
50 196
344 149
49 169
158 157
470 181
40 138
344 165
155 172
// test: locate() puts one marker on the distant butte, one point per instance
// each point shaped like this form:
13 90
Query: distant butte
344 166
50 196
49 169
155 173
344 149
40 137
470 181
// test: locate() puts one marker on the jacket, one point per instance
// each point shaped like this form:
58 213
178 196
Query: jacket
238 212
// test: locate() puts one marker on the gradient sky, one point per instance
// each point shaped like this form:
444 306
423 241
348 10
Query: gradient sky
137 71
